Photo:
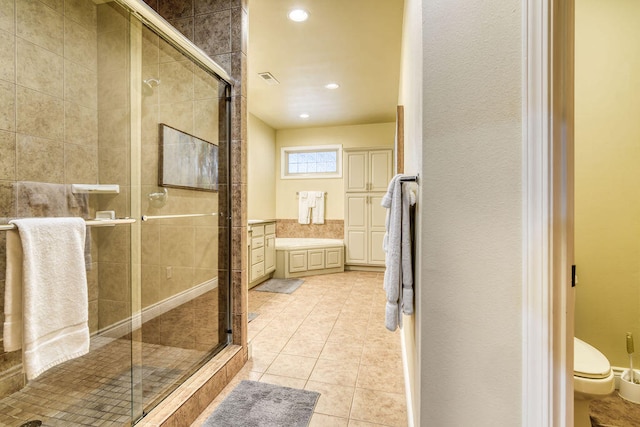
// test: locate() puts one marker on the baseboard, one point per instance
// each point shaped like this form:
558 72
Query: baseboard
125 326
355 267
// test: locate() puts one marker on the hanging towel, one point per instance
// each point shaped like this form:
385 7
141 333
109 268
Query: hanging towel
397 248
43 199
408 200
318 208
304 210
46 307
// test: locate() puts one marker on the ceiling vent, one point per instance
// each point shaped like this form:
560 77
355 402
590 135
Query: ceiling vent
268 78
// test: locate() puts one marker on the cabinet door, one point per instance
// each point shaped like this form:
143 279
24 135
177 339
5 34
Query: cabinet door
257 230
297 261
270 253
380 164
355 228
333 258
355 170
376 229
315 259
257 255
257 271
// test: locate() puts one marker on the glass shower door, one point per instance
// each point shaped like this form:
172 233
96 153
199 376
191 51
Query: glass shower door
180 286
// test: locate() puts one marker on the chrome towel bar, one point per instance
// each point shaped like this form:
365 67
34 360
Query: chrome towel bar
91 222
150 217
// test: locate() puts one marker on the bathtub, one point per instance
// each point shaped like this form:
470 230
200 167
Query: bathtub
298 257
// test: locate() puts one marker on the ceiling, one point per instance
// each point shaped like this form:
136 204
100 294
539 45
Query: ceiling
355 43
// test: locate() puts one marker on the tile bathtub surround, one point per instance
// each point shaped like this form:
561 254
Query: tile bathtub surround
331 229
328 336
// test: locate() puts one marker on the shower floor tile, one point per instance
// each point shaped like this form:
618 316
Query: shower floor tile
95 389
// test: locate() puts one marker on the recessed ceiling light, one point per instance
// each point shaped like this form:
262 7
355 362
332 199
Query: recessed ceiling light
304 116
298 15
332 86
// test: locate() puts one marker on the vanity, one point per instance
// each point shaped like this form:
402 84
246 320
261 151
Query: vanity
262 250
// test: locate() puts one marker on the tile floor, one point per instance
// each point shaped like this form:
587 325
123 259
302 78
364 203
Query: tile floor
329 336
95 389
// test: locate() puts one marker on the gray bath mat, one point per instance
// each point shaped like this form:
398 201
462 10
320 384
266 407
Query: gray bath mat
281 286
252 316
256 404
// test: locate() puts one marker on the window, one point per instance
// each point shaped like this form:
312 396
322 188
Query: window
322 161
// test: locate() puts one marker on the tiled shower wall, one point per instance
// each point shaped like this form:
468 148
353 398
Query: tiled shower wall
61 121
48 116
219 28
114 302
187 98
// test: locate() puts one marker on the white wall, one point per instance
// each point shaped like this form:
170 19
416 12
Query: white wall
261 160
471 223
371 135
410 97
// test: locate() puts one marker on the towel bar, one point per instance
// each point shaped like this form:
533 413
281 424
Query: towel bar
91 222
414 178
325 193
150 217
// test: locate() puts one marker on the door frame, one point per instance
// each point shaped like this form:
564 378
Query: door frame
548 298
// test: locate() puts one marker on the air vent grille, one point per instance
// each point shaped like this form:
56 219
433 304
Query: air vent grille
268 78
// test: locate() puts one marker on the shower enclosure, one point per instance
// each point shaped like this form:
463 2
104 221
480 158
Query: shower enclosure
98 94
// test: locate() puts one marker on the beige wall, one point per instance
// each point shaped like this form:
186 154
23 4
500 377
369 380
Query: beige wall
470 304
374 135
261 174
410 97
607 176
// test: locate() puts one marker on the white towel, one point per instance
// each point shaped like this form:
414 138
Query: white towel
46 306
397 247
318 208
304 210
408 200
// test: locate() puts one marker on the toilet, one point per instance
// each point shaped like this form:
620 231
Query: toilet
592 379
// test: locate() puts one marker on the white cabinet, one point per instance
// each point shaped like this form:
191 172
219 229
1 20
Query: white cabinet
315 259
306 261
262 252
270 248
368 170
367 176
364 228
297 261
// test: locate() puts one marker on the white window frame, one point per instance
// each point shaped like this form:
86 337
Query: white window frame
310 148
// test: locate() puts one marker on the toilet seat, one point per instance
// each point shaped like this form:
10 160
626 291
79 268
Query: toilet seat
588 362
